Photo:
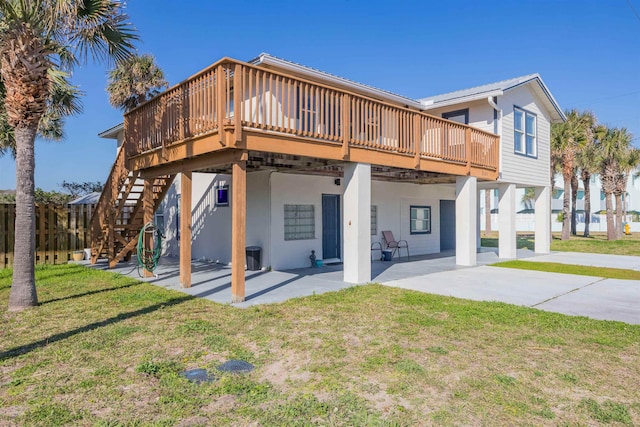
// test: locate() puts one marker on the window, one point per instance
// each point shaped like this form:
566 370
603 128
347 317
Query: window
524 132
222 195
299 222
460 116
374 220
159 220
420 222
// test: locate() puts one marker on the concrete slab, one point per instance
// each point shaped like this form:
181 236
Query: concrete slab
607 299
485 283
594 260
563 293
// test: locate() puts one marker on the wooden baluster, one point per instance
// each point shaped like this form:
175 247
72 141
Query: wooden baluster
238 96
345 123
220 103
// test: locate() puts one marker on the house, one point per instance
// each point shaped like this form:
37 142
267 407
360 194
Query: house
275 154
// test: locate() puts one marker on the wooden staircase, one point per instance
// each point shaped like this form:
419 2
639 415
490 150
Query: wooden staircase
119 214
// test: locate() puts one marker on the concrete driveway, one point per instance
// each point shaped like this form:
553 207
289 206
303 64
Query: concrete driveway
595 297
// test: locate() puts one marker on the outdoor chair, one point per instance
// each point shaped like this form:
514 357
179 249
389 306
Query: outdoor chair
391 243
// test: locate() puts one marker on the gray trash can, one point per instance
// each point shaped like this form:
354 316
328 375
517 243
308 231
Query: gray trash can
253 257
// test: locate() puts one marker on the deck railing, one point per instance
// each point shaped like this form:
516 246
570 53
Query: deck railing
234 93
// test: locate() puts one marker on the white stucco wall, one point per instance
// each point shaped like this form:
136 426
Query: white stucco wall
394 201
297 189
211 224
268 192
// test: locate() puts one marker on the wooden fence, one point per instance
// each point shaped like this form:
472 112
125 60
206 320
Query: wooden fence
60 229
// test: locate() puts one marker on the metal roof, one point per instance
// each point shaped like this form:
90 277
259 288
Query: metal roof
267 59
493 89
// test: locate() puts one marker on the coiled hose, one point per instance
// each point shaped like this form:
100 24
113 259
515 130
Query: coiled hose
148 258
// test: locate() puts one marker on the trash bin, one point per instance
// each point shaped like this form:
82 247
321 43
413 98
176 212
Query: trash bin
386 255
253 258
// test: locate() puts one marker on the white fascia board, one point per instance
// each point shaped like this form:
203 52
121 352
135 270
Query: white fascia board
429 104
112 133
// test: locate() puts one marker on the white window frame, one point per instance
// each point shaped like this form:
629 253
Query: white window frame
521 129
422 217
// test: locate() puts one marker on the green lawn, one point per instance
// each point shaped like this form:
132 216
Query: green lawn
597 243
105 350
582 270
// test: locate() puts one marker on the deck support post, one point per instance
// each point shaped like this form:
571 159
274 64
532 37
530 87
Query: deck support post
185 228
147 215
239 227
543 220
357 223
466 220
507 221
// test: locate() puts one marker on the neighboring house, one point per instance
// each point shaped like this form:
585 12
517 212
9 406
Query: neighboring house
87 199
324 163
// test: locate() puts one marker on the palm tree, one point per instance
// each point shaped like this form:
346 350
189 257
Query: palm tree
629 159
63 101
588 164
529 197
574 198
134 81
38 37
612 147
567 138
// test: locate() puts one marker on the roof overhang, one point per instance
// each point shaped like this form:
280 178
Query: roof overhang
112 133
430 104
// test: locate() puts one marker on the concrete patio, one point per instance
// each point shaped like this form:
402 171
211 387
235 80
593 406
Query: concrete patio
213 281
605 299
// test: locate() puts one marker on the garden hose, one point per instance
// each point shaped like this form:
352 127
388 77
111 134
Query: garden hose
148 258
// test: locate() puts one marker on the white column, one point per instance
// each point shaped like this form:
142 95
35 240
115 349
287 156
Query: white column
543 220
478 219
507 221
466 219
357 223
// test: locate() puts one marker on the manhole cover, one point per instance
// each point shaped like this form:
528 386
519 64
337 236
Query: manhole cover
236 366
198 376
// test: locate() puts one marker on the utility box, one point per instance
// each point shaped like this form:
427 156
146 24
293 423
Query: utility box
253 257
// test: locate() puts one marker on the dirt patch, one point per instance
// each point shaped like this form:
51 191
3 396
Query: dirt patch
222 404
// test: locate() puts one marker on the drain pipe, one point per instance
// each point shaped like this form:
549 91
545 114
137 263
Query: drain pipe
497 126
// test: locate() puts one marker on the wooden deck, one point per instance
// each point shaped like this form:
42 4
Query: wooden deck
234 117
233 107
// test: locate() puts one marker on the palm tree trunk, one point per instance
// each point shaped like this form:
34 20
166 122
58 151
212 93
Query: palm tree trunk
574 202
566 223
23 287
611 231
618 216
586 177
487 213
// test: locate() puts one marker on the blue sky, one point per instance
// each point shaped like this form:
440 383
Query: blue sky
588 53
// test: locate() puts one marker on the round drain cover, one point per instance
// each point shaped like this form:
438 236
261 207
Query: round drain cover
236 366
198 376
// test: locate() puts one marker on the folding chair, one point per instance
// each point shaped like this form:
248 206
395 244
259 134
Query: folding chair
391 243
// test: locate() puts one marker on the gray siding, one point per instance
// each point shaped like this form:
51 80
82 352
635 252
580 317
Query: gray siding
515 168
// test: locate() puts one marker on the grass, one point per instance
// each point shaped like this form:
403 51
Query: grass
597 243
582 270
106 350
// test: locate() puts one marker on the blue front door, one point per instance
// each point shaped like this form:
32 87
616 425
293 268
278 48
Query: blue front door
330 226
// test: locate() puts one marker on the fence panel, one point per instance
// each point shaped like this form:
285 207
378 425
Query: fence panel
60 230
